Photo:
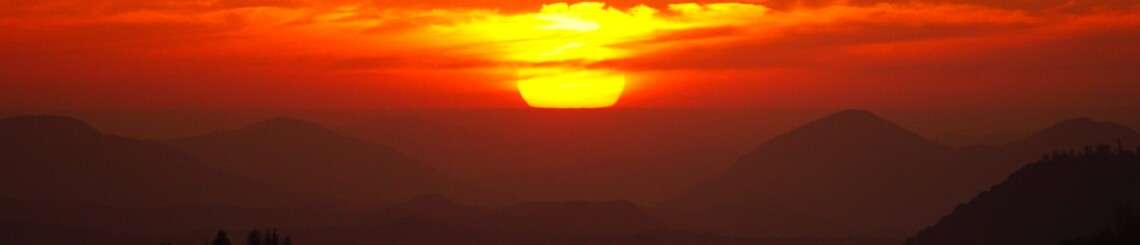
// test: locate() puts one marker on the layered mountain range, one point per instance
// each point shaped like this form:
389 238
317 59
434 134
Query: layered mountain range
850 175
854 173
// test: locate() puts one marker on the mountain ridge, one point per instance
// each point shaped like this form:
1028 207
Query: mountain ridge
1060 197
792 184
108 169
853 164
305 156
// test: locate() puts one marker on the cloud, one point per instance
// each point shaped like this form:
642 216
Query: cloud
925 47
585 32
816 36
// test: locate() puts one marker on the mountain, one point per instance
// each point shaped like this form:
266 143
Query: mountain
71 222
60 159
309 159
575 218
17 226
1124 231
850 173
1061 197
434 219
431 207
992 164
65 182
1073 134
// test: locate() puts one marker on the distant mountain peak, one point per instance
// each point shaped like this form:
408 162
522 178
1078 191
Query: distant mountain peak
1080 131
853 118
852 134
305 157
284 127
851 124
852 156
1078 121
41 124
852 114
274 131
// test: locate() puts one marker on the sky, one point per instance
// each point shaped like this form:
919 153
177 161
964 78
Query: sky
313 54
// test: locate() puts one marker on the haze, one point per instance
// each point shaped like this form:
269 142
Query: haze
785 122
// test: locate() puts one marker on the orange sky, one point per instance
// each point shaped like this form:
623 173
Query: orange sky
206 54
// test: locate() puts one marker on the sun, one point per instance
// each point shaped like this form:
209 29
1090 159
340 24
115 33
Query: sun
570 88
572 55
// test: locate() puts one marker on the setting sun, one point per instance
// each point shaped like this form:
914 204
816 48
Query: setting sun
555 45
564 88
512 122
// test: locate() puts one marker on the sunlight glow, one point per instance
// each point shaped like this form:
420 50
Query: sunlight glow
570 88
554 44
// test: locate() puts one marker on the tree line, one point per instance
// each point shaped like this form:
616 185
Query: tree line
255 237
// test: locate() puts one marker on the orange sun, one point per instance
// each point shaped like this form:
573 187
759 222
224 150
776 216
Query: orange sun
570 88
555 51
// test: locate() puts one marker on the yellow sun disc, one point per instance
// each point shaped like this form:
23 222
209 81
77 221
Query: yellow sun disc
570 88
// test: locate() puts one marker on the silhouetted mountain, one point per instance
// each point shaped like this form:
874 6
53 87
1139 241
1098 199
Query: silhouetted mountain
59 159
853 173
437 220
1073 134
991 164
575 218
46 128
307 158
850 173
1061 197
17 226
436 207
1124 231
847 175
1070 133
62 176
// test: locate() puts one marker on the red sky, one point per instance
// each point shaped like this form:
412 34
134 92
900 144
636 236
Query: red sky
210 54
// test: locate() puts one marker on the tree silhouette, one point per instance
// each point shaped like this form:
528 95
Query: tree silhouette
221 239
1074 189
254 237
1126 231
271 239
